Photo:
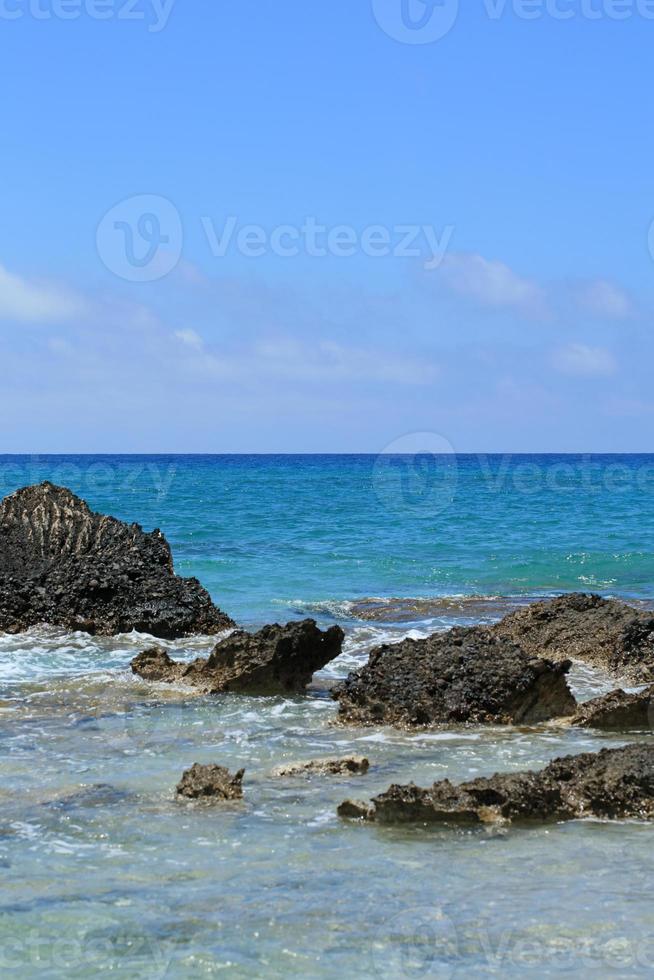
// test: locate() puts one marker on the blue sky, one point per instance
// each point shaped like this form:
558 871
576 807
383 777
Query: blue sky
480 205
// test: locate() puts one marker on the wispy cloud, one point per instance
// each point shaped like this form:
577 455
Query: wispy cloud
245 364
605 299
493 284
31 301
327 359
323 361
584 361
190 338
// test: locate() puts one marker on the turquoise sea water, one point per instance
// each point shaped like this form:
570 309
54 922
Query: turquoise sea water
262 532
102 871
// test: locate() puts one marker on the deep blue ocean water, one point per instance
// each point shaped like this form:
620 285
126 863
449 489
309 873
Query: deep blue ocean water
103 872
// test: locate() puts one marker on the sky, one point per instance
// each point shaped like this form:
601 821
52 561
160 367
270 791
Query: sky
326 226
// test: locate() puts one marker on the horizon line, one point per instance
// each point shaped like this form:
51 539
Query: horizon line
426 452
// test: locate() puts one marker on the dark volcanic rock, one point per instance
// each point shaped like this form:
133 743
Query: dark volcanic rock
351 765
276 660
614 783
211 782
64 565
464 675
602 632
617 711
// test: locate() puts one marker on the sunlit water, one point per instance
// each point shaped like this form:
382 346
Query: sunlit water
104 872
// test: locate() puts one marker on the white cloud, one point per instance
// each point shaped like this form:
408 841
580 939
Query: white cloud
603 298
328 360
190 339
493 284
579 359
293 360
33 302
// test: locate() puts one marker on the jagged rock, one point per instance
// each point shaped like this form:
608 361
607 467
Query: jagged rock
617 711
211 782
611 784
602 632
356 810
464 675
62 564
353 765
276 660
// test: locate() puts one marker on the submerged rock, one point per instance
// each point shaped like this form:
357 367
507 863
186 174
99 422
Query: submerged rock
276 660
611 784
211 782
464 675
352 765
97 795
62 564
617 711
605 633
390 610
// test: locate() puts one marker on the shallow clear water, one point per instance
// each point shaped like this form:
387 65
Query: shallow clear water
103 872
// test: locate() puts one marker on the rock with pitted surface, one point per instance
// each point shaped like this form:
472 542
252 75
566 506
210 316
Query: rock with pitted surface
64 565
464 675
611 784
276 660
211 783
354 765
618 711
605 633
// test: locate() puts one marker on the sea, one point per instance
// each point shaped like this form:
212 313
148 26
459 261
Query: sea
104 873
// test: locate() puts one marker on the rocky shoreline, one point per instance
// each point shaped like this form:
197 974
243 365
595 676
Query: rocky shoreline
62 564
